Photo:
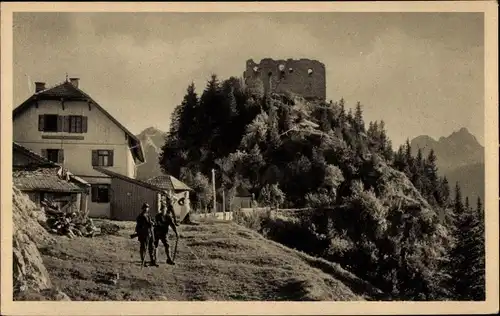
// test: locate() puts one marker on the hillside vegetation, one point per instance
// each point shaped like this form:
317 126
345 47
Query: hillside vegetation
385 214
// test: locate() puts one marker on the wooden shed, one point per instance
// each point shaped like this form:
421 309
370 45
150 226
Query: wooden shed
128 194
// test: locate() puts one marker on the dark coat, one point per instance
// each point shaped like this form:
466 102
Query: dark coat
144 225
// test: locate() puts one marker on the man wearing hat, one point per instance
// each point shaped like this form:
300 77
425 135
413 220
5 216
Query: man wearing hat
144 230
163 221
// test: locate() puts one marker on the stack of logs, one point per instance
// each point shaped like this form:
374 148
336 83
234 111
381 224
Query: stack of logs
63 221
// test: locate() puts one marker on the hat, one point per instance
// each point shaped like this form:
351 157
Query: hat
145 205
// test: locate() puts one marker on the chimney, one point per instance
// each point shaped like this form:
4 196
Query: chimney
74 81
39 86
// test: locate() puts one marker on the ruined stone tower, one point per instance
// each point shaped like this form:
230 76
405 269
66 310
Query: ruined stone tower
304 76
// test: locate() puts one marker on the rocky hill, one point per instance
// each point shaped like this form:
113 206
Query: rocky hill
152 140
460 158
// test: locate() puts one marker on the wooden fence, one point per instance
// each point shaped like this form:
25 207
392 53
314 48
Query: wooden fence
228 216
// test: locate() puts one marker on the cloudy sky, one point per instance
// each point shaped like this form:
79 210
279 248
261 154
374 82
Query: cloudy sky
421 73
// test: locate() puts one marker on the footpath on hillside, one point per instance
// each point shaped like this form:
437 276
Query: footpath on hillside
215 261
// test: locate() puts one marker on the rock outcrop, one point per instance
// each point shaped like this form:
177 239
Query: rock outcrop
31 280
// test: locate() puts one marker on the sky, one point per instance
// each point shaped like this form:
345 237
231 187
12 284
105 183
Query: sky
422 73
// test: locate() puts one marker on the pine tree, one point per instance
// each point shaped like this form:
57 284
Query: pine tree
468 254
418 172
342 115
350 117
399 159
359 124
477 256
183 134
188 119
324 123
386 149
432 177
408 160
459 206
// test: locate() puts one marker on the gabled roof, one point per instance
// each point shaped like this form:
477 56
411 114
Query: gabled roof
113 174
168 182
69 92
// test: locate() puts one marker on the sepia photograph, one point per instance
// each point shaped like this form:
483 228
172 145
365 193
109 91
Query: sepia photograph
249 156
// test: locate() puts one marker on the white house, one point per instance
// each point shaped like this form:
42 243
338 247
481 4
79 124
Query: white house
65 125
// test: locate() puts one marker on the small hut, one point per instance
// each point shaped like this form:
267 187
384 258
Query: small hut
177 189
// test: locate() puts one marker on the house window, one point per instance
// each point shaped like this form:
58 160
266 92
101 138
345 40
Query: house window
75 124
102 158
100 193
60 123
54 155
49 123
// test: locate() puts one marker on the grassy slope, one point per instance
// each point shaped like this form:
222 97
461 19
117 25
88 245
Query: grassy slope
215 261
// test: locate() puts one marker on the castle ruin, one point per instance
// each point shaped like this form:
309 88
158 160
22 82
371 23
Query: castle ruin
305 77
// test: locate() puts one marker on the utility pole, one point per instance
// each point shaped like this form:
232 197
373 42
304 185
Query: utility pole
215 195
223 203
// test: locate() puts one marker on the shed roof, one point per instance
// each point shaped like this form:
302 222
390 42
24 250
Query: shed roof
168 182
43 175
44 179
36 158
120 176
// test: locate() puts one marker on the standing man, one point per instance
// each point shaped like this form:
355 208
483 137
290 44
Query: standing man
163 221
144 230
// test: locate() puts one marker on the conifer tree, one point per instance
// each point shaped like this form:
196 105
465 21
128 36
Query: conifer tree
468 254
359 124
408 160
342 115
386 149
477 254
431 174
418 172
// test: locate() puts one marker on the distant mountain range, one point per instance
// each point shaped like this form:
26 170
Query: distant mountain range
152 140
460 158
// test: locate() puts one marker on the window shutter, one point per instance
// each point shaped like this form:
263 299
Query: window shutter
95 158
84 124
110 158
93 193
67 124
60 156
60 123
44 153
41 122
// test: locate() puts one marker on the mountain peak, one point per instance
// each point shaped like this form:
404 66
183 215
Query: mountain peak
150 131
458 149
464 136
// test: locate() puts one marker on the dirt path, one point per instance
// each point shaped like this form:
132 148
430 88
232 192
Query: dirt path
217 261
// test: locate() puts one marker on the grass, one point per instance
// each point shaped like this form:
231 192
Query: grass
215 261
